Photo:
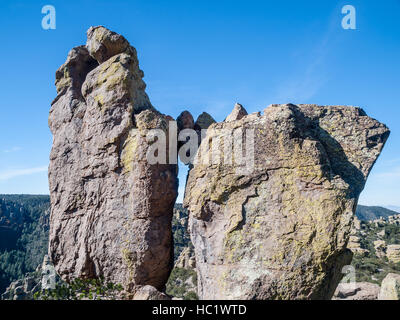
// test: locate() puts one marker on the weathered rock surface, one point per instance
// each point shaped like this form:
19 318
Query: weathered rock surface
186 259
35 282
277 227
394 219
393 253
22 289
354 245
111 209
237 113
380 248
150 293
102 43
185 121
390 287
356 291
356 225
203 121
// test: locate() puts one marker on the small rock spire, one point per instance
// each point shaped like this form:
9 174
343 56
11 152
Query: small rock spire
237 113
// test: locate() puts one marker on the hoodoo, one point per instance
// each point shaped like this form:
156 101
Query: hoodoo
111 210
276 224
271 196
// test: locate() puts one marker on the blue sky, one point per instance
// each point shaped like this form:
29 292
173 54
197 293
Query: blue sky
205 56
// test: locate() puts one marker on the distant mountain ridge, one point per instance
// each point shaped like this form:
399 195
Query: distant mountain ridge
394 208
368 213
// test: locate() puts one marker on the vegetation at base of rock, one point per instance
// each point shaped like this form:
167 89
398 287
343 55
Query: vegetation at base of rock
179 283
31 245
81 289
28 217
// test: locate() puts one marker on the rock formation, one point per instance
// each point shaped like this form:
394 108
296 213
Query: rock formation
356 291
380 248
43 278
22 289
354 245
150 293
111 209
237 113
186 259
185 121
203 121
269 219
393 253
394 219
274 223
390 287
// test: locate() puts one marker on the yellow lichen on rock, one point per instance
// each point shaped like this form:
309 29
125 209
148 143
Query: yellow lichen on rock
279 230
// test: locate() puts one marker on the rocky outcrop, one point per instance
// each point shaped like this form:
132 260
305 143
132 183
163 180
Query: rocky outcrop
393 253
274 223
186 259
43 278
185 121
390 287
203 121
356 291
150 293
372 265
237 113
354 245
380 248
395 219
111 209
356 225
22 289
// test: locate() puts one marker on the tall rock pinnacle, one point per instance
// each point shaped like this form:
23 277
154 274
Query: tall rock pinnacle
111 210
275 225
